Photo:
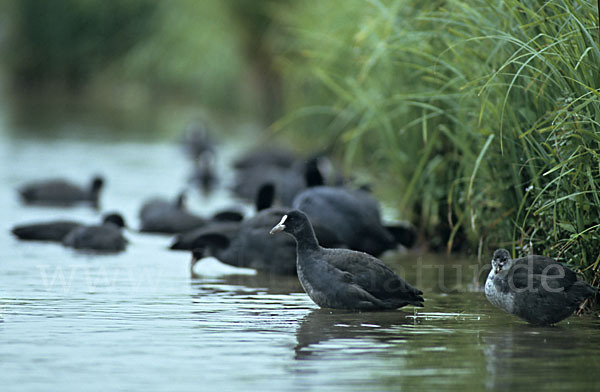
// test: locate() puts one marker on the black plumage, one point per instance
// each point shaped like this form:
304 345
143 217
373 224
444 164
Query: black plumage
353 214
60 192
343 278
106 237
249 245
536 288
287 181
168 217
54 231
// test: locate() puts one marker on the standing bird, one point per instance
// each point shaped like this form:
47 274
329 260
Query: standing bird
536 288
343 278
59 192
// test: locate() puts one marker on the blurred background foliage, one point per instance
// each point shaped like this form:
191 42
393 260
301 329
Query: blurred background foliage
476 120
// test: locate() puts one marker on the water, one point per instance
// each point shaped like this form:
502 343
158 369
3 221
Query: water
140 321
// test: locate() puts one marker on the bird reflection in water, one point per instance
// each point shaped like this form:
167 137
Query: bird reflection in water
322 325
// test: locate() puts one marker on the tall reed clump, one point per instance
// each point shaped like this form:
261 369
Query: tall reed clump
481 117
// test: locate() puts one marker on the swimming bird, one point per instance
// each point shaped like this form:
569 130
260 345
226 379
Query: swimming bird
106 237
55 230
222 229
204 175
288 181
248 244
266 156
343 278
197 141
535 288
60 192
158 215
353 214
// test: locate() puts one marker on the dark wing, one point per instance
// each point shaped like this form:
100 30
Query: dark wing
257 249
193 239
540 272
371 274
101 238
51 231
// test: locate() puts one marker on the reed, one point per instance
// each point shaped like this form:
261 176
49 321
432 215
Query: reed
480 117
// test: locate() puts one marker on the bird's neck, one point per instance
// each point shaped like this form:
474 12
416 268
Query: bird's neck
306 240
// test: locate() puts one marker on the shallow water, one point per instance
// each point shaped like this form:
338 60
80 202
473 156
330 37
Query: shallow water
139 320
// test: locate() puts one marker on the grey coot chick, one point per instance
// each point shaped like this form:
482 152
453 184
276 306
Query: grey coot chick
59 192
55 231
353 214
536 288
106 237
343 278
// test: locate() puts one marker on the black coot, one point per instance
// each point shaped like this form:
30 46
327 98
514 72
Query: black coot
352 214
266 156
55 230
168 217
288 181
60 192
343 278
536 288
196 140
223 228
204 175
106 237
248 244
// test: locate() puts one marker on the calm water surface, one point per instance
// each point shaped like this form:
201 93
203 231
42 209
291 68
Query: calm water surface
140 321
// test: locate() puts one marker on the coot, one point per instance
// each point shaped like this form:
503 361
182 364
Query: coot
55 230
343 278
247 245
168 217
535 288
60 192
288 181
353 214
196 140
106 237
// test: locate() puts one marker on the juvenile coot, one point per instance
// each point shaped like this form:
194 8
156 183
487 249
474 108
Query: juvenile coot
353 214
59 192
536 289
54 230
106 237
168 217
343 278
